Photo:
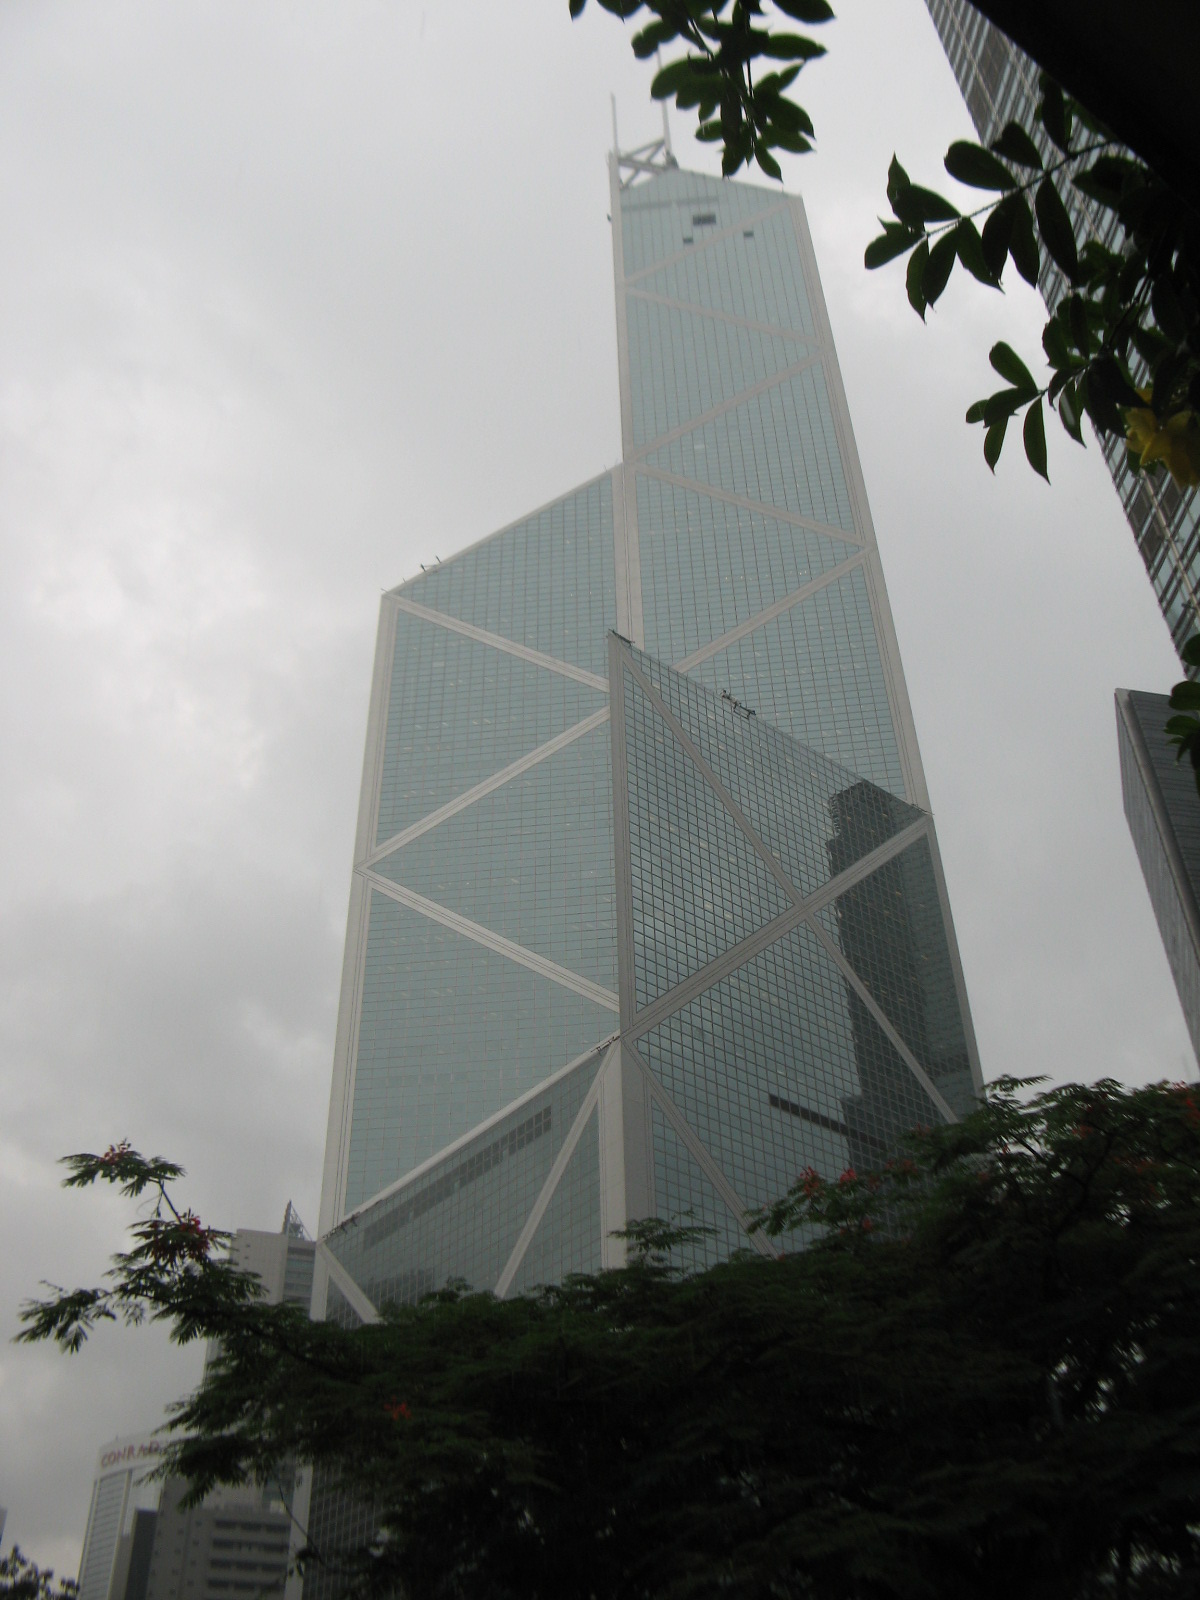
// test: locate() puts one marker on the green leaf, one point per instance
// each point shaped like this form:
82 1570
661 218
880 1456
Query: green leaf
1016 145
767 161
1009 365
972 164
915 278
652 37
1182 728
1053 113
768 94
1058 232
1185 696
1110 179
1004 403
993 442
1168 312
810 11
1148 343
932 207
1023 246
1190 654
784 139
997 236
892 242
675 77
577 8
970 252
1034 435
786 113
791 47
976 411
1069 412
1109 386
1056 345
897 181
1078 323
937 270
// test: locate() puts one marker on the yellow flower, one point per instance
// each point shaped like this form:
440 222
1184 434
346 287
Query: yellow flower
1175 442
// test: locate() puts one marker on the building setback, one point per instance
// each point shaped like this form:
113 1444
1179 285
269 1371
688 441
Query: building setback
999 83
1163 811
647 913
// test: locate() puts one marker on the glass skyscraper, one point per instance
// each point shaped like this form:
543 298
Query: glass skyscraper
647 911
999 83
1161 807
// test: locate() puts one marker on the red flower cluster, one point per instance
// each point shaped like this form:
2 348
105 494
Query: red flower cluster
115 1152
1191 1111
184 1240
848 1176
397 1410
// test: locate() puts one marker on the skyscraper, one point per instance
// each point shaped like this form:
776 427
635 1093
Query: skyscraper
999 83
1163 811
120 1521
647 913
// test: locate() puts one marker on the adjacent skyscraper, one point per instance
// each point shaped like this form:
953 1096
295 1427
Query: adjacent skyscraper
1163 811
1000 84
120 1525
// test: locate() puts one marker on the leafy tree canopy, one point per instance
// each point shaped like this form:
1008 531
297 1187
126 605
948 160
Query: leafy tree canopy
980 1378
23 1579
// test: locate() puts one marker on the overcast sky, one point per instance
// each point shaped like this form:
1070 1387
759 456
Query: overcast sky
292 297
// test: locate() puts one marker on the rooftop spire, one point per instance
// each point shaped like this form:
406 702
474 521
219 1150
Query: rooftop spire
657 156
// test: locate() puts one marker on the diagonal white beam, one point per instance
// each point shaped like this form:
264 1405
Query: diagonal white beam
770 861
737 955
472 1135
496 942
534 1220
359 1303
497 641
698 486
740 398
686 1135
714 315
769 613
541 752
872 1005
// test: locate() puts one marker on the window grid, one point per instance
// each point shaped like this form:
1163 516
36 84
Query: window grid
816 673
548 583
688 364
459 711
698 886
533 860
814 816
449 1033
732 563
779 447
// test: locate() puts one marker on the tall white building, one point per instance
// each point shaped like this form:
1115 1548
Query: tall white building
647 913
121 1489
